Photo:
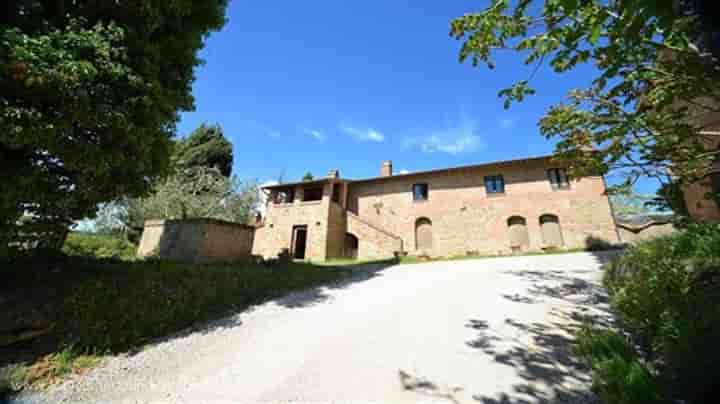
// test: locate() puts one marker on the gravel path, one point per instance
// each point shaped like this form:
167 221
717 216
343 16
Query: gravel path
490 330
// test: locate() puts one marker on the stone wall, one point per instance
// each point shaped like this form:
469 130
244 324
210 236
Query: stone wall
197 241
634 231
373 243
467 220
337 227
276 232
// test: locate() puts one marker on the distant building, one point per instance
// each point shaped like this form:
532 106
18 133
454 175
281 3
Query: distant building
495 208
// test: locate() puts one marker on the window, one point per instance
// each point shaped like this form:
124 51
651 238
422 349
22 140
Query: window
558 178
312 194
420 192
495 184
284 196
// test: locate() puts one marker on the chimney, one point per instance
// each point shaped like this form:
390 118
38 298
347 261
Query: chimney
386 169
334 173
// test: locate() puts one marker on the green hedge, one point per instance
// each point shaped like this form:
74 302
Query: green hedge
666 293
98 246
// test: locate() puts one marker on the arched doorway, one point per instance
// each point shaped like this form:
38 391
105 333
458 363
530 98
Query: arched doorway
551 232
518 233
350 247
423 234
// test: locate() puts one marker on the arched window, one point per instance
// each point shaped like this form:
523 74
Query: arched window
517 230
551 233
350 248
423 234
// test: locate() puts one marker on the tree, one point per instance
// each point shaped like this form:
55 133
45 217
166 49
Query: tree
201 185
308 176
108 219
629 203
89 98
657 78
206 146
204 194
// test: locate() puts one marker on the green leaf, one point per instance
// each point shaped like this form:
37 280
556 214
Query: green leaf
595 33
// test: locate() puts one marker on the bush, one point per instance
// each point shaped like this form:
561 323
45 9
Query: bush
98 246
619 377
667 294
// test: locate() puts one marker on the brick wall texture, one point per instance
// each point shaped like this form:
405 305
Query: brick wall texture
463 218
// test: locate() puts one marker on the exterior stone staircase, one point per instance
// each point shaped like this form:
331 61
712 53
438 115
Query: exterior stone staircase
374 242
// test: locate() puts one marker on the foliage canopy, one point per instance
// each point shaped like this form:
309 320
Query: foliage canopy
201 185
206 146
89 97
645 111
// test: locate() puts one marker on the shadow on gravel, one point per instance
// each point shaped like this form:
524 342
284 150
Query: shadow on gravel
543 357
422 386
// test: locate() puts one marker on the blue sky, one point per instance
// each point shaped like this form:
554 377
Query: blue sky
310 86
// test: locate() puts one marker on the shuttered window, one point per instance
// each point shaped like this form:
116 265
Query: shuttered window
551 233
518 232
558 178
423 235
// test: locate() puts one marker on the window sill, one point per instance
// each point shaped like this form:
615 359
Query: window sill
420 200
495 194
311 202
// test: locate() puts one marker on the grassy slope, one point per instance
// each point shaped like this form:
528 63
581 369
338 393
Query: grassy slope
105 306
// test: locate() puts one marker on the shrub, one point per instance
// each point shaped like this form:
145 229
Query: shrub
626 381
98 246
619 377
667 294
600 344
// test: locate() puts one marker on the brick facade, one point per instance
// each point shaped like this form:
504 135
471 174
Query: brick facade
458 216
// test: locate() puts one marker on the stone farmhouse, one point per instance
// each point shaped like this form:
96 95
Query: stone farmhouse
501 207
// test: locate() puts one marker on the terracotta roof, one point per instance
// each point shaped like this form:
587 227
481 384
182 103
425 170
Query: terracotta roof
417 173
458 168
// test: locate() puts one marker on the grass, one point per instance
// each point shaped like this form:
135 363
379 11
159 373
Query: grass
97 307
98 246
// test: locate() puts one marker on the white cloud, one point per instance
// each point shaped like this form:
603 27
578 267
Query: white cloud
404 171
506 123
455 139
268 131
316 134
363 135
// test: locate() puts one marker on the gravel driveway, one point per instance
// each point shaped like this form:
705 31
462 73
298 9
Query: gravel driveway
487 330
